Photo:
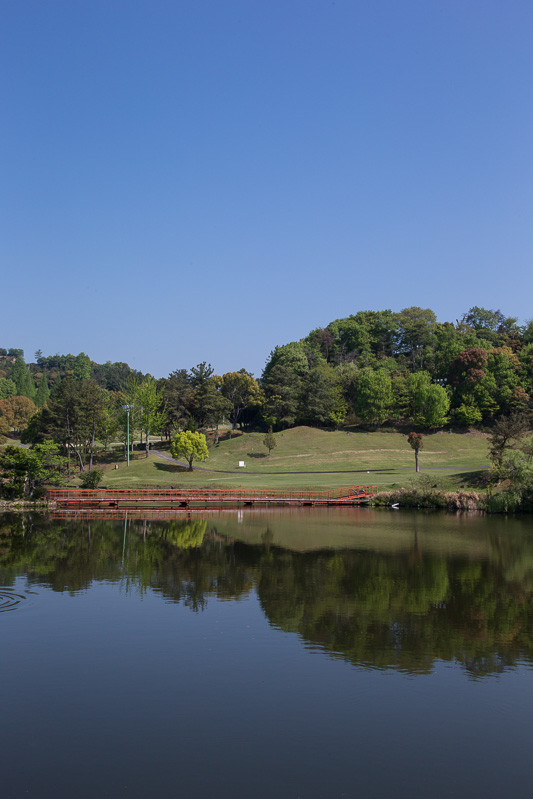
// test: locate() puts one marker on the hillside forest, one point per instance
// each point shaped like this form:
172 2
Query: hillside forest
371 369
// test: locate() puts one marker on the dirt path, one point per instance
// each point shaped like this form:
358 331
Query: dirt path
165 457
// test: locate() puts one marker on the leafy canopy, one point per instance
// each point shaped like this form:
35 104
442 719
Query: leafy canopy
190 446
25 470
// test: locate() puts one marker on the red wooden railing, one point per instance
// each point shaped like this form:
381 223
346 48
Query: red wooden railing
80 497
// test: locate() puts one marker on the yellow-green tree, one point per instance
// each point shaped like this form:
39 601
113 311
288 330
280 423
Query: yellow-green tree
190 446
152 414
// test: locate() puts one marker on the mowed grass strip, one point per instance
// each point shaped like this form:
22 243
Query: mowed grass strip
306 457
306 449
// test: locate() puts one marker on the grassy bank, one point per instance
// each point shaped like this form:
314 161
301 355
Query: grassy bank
306 457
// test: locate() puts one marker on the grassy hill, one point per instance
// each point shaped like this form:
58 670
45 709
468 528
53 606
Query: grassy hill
305 456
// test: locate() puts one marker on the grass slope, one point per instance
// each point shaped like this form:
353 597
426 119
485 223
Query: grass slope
307 457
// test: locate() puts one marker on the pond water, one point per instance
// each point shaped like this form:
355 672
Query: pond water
305 654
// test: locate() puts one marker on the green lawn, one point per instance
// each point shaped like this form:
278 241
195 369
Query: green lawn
306 457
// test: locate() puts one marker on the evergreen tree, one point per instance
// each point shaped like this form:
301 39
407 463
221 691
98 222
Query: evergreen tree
7 388
43 392
22 379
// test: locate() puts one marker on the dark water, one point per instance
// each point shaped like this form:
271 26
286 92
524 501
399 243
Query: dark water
313 654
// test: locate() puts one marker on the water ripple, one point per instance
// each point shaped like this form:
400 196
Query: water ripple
10 600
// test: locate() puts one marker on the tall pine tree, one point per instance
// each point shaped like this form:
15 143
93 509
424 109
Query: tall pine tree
43 392
22 379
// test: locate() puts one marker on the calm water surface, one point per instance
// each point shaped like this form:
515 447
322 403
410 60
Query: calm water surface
312 654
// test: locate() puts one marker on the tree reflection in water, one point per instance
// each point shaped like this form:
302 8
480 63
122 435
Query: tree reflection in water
400 610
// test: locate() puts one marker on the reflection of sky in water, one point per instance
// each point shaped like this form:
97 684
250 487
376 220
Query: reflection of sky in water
109 691
253 671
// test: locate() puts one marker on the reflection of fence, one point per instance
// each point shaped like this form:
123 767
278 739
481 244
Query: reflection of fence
176 497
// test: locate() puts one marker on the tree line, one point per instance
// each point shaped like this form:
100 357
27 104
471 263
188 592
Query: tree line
378 367
369 369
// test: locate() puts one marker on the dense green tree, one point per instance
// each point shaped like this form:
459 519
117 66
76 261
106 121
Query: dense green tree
467 413
364 337
73 417
400 395
348 376
152 413
374 396
113 376
448 343
190 446
484 394
215 406
528 332
322 344
25 470
242 391
43 392
503 365
7 388
428 402
91 480
22 379
416 328
82 367
323 402
483 319
200 378
178 395
283 382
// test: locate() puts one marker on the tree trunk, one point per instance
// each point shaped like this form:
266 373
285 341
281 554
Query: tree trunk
79 457
416 460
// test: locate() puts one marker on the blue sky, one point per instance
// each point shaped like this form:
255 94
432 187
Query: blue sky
189 181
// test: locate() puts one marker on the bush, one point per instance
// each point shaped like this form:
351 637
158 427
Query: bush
429 498
509 501
91 479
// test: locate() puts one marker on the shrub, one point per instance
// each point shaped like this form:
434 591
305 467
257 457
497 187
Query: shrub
91 479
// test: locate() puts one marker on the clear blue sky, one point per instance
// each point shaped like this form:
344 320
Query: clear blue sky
202 180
